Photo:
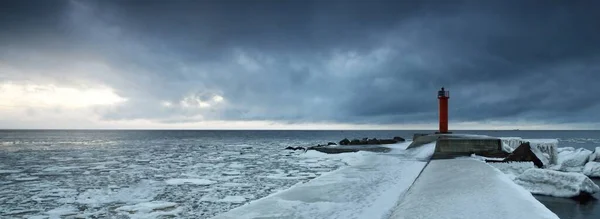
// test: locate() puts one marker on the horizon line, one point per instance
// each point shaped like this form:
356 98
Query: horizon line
167 129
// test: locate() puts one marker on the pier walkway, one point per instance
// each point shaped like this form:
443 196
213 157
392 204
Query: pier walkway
466 188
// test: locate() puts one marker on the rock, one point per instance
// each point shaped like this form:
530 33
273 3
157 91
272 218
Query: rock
345 141
373 141
595 156
399 139
556 183
526 153
331 143
592 169
387 141
295 148
364 141
355 142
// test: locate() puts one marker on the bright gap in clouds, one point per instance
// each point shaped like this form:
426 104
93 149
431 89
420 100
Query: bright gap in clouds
49 95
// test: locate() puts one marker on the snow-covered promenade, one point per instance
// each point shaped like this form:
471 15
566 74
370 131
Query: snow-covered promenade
401 184
467 188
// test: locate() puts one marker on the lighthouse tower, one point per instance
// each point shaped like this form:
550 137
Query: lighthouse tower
443 97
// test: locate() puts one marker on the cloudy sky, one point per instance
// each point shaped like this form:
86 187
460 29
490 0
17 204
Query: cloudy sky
299 64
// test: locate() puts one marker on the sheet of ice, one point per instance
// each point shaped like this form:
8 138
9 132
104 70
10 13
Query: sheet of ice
509 144
32 178
347 158
592 169
544 157
367 189
141 192
181 181
546 146
62 211
556 183
572 160
10 171
236 185
233 199
467 188
152 209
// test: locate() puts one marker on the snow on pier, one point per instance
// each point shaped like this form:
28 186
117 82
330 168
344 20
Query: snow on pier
466 188
368 189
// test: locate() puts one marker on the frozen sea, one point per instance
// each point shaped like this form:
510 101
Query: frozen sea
183 174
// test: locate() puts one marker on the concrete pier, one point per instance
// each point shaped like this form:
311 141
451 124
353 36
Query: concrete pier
464 188
457 147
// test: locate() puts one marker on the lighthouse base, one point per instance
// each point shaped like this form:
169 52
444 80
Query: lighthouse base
443 132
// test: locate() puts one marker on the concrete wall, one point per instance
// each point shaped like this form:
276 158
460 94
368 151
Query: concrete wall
451 147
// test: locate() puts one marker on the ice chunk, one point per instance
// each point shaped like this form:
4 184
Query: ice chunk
10 171
202 182
142 192
236 185
152 209
233 199
27 178
572 160
62 211
595 156
555 183
236 166
231 173
592 169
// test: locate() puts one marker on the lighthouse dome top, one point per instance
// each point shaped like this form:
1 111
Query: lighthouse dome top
443 93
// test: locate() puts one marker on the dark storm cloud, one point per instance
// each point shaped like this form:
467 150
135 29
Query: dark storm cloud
320 61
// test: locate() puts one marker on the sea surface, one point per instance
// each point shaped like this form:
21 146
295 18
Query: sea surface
190 174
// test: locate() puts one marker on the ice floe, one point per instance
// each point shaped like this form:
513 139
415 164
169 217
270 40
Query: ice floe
10 171
62 211
233 199
193 181
152 209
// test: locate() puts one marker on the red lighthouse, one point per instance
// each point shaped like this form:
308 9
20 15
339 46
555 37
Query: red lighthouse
443 96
